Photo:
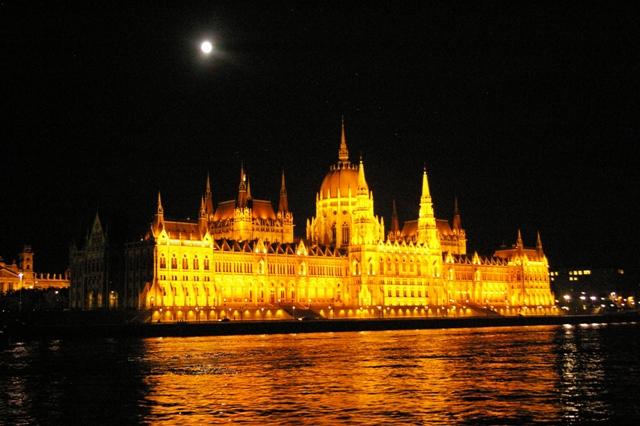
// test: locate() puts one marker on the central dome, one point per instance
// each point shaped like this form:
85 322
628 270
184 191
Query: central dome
343 177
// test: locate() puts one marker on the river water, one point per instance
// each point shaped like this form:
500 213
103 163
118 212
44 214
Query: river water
502 375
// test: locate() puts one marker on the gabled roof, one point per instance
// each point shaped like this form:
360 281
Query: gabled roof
225 210
182 230
517 252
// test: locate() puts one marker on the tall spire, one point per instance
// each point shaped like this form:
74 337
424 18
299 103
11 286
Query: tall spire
159 217
539 244
96 219
283 205
202 217
160 210
202 211
425 185
242 188
519 243
395 223
457 223
363 188
343 153
427 231
208 197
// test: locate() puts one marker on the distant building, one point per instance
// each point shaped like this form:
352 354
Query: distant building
96 271
242 255
21 275
598 282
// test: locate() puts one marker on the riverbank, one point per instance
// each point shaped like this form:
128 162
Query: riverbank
17 332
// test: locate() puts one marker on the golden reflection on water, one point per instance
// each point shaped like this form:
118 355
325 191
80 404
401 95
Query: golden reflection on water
506 375
411 377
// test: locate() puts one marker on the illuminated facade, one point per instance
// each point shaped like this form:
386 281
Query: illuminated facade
242 256
21 275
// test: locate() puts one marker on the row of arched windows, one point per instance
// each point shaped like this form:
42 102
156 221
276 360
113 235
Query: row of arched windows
185 262
404 292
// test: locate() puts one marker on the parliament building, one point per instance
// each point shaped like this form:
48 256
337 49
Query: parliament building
240 259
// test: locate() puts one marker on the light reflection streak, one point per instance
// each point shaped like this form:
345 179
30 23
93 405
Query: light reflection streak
510 375
413 376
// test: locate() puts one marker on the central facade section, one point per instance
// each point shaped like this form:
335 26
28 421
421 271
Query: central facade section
344 206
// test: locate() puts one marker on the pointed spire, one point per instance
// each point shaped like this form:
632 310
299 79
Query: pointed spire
243 175
97 225
427 232
242 188
343 153
96 219
395 223
519 243
208 197
283 205
425 185
457 223
159 217
160 210
362 182
539 243
202 219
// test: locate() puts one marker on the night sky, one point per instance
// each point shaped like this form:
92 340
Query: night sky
529 114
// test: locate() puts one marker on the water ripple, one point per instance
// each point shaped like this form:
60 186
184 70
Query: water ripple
511 375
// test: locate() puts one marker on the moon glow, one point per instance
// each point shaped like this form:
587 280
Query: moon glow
206 47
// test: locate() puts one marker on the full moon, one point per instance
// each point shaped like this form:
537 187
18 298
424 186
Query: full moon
206 47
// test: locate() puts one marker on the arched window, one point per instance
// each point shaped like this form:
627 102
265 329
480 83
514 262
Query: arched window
174 262
163 262
206 263
333 233
346 234
355 267
185 262
195 263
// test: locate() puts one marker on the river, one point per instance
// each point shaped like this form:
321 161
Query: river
500 375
